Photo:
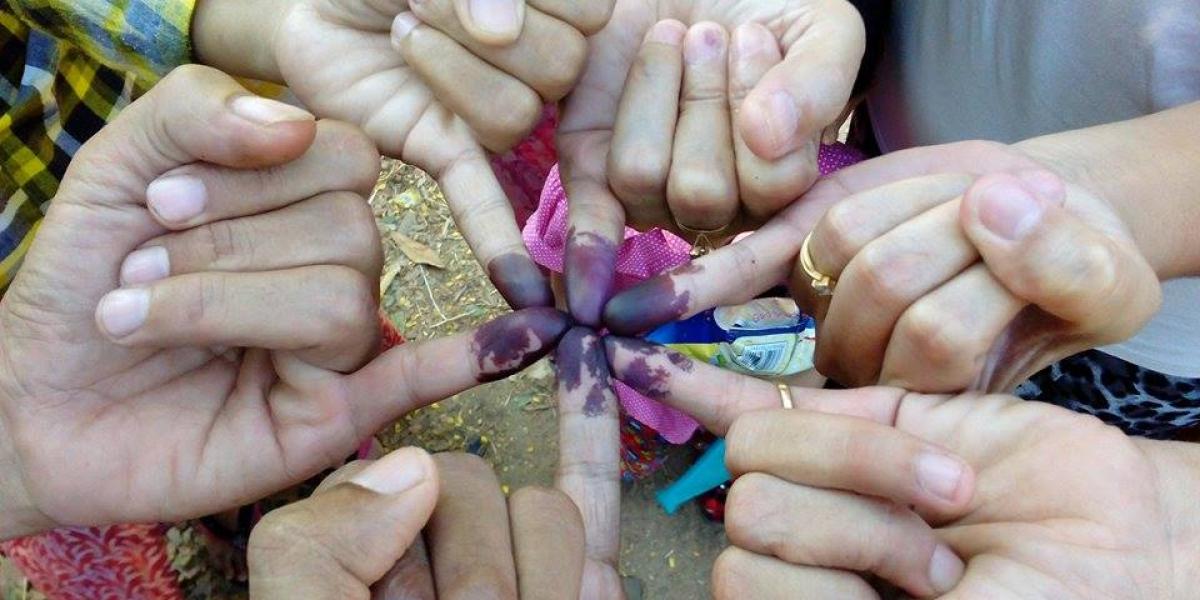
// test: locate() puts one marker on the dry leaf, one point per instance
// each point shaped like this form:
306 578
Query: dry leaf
388 277
417 252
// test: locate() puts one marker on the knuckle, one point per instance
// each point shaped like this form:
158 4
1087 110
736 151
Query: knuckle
359 233
222 245
350 305
484 582
592 16
937 336
886 277
561 74
701 191
186 77
523 110
353 152
730 574
838 232
775 189
639 172
741 442
465 463
207 301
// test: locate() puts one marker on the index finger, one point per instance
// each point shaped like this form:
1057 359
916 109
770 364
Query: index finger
480 208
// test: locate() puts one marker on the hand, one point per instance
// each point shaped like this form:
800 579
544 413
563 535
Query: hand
536 544
965 266
434 95
751 111
359 536
190 328
957 497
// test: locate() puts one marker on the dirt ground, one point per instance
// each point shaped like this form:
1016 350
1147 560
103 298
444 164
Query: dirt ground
665 557
432 286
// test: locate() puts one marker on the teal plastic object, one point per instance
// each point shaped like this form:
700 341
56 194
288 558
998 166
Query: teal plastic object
707 473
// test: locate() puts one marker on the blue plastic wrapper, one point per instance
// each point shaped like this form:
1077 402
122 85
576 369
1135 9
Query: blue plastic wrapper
767 337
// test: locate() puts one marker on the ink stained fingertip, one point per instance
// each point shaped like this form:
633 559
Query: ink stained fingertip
652 303
581 360
520 281
512 342
591 263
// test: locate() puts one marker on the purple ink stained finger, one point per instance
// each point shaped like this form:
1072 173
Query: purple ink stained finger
652 381
520 281
591 267
515 341
647 305
581 360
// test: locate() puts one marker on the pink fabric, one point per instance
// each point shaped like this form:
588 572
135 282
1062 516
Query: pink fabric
642 256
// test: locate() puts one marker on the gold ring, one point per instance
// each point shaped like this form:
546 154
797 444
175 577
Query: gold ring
785 395
822 284
703 240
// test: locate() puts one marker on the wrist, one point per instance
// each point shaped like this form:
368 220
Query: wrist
1177 467
1144 169
19 515
238 36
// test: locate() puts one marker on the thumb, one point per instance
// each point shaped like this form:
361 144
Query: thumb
195 114
339 542
1090 276
493 22
798 98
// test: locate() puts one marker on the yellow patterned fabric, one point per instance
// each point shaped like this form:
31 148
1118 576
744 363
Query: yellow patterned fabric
68 67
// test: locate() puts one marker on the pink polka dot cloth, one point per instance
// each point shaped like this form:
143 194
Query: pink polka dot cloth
642 256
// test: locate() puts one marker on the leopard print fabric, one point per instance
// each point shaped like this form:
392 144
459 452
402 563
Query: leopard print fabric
1139 401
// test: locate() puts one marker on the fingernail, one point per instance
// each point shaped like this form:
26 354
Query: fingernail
495 16
705 43
403 25
1009 211
177 198
939 475
395 473
145 266
670 33
268 112
123 312
945 569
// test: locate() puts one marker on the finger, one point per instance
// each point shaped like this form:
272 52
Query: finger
1079 272
336 544
331 229
590 259
341 158
548 544
326 314
589 441
798 98
587 17
852 223
740 574
400 380
547 57
459 81
468 534
880 283
490 22
838 530
765 187
411 578
196 114
639 160
850 454
941 342
702 188
483 214
716 397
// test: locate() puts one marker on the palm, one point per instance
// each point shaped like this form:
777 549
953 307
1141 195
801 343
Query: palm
338 59
1044 518
109 433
